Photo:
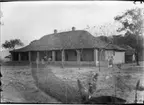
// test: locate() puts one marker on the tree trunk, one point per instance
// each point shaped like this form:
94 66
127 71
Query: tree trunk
137 58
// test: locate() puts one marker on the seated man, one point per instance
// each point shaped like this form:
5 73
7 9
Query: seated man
49 59
45 58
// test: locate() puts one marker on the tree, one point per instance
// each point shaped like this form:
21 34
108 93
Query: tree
137 1
118 39
105 39
12 44
102 30
132 25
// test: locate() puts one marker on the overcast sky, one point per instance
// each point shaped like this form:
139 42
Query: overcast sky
32 20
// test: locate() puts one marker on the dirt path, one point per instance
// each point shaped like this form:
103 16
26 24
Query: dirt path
18 87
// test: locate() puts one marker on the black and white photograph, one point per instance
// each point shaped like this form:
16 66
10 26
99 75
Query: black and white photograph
72 52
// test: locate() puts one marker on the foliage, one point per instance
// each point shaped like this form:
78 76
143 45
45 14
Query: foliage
132 27
138 1
9 56
132 24
12 44
102 30
105 39
131 20
118 39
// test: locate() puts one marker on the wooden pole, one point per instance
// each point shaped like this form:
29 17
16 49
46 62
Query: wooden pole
19 56
78 58
100 50
95 56
37 60
81 51
29 54
63 58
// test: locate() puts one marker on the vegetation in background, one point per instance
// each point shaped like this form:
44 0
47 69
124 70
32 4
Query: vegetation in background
11 44
131 31
133 26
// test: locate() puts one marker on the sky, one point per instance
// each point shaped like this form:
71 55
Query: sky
32 20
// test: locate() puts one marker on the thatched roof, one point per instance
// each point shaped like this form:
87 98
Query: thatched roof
129 50
67 40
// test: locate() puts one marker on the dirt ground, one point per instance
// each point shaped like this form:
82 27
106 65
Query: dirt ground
18 84
107 80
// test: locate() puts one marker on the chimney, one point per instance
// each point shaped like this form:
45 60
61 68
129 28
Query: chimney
55 31
73 28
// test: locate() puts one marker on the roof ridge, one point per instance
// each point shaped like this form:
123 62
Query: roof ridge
64 32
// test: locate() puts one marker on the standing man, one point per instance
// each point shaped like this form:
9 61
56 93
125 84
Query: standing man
133 58
111 61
